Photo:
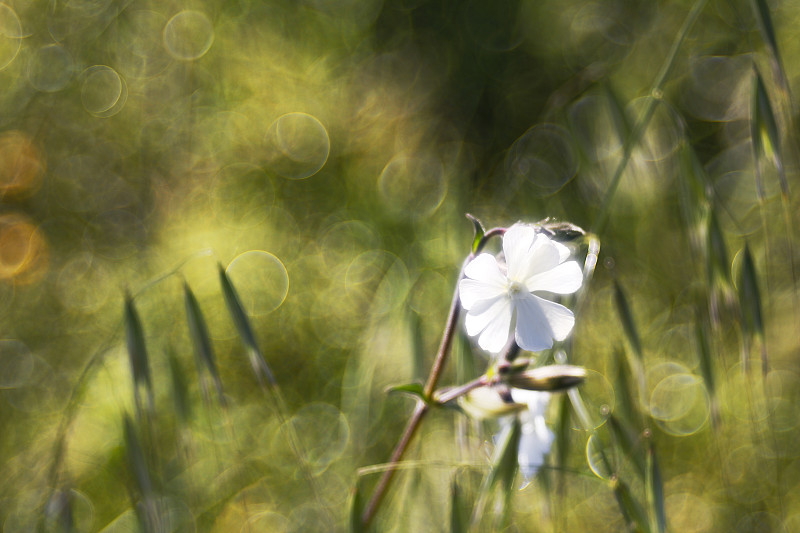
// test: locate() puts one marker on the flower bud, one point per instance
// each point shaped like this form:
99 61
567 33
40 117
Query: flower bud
550 378
487 402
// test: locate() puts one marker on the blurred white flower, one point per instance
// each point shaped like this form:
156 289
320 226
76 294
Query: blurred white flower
495 294
535 438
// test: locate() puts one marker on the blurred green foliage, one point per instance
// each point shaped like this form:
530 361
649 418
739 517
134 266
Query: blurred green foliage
325 153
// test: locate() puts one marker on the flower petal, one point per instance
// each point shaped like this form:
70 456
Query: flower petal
534 443
542 256
485 268
565 278
484 281
517 242
483 312
541 321
472 292
493 324
563 251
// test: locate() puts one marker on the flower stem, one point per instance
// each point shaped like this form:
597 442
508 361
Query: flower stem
433 379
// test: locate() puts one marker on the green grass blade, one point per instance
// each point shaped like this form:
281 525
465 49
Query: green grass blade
459 513
356 508
201 341
628 440
765 26
180 388
137 352
655 492
750 303
630 508
242 323
628 323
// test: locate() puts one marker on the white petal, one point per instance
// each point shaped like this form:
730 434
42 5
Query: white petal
483 281
517 242
534 443
543 256
565 278
563 251
485 268
535 400
471 292
498 326
484 312
540 321
560 319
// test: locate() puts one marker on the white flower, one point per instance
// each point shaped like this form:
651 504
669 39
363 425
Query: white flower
535 438
494 294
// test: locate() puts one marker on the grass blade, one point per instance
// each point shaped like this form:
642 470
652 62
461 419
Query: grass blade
628 323
655 492
750 304
201 341
180 388
242 323
459 514
628 441
630 508
137 353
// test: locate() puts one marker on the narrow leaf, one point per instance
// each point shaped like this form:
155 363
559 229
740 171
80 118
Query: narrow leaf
458 510
504 458
356 508
136 459
717 251
415 390
245 330
137 350
764 131
480 231
749 295
628 323
765 26
706 363
630 508
655 492
180 388
628 441
201 341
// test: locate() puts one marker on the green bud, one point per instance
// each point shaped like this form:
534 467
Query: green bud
549 378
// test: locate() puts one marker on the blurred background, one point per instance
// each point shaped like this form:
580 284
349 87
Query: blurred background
325 152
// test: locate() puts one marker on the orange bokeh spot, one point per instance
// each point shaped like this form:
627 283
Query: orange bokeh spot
21 164
23 250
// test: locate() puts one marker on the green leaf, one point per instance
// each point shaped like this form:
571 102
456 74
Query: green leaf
504 458
628 440
415 390
137 350
242 323
655 492
764 133
765 26
629 507
704 356
201 341
749 295
717 251
628 323
180 388
136 460
563 427
356 508
480 231
459 513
